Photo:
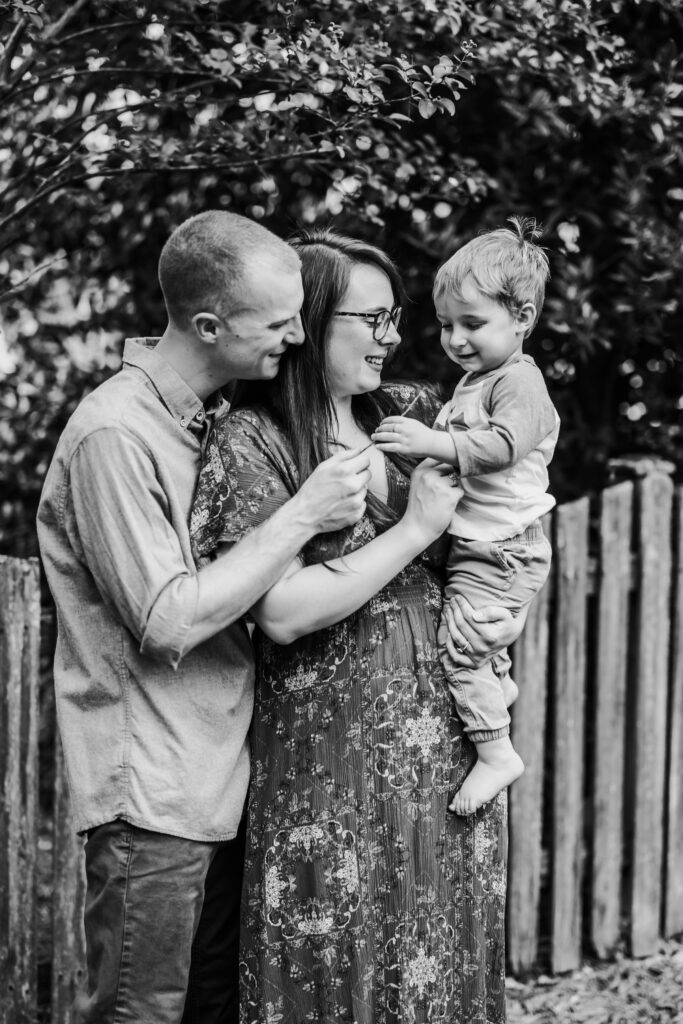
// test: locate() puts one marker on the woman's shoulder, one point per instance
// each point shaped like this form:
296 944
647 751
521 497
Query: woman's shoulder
248 424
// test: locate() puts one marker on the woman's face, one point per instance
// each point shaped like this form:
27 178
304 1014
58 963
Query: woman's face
354 359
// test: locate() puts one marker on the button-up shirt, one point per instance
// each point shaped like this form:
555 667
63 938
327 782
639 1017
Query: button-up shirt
152 733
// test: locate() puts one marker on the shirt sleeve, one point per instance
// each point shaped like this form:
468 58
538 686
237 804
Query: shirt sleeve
247 474
521 415
119 528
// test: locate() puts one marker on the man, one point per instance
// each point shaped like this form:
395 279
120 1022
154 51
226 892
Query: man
153 669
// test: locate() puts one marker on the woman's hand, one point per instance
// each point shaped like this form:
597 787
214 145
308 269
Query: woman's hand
434 494
475 635
407 436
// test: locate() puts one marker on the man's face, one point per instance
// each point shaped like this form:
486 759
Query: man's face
265 322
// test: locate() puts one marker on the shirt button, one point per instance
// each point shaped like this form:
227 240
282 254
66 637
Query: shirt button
200 416
183 421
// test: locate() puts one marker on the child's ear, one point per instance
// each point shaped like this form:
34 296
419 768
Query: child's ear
526 317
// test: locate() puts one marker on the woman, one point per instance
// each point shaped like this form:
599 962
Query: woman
364 899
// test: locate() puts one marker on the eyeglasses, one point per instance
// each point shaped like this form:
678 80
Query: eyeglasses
380 321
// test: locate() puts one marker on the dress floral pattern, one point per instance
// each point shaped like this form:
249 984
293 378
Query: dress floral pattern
365 900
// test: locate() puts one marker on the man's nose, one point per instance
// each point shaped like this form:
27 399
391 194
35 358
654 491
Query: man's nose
295 335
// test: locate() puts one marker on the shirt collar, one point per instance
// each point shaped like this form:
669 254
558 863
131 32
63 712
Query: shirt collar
178 397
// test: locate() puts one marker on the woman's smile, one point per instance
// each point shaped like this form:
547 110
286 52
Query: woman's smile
351 336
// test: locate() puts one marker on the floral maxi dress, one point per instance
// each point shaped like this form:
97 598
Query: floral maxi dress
365 900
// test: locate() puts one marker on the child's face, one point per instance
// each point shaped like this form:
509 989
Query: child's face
478 333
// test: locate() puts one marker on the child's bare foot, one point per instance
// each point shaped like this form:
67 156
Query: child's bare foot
510 690
497 766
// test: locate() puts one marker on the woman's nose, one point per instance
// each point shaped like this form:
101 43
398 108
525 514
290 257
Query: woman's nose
392 337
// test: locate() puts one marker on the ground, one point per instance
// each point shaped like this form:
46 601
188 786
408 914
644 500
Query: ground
647 991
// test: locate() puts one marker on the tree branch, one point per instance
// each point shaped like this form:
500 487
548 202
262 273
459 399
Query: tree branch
36 270
10 48
103 29
112 172
68 15
87 72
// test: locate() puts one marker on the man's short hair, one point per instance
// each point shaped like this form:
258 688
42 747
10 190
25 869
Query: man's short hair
505 265
206 259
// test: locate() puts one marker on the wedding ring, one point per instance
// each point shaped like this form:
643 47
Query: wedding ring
464 649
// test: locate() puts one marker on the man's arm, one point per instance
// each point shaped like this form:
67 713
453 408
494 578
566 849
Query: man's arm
311 597
331 498
121 530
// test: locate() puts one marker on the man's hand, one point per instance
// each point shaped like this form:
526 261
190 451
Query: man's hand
476 635
410 437
333 496
433 496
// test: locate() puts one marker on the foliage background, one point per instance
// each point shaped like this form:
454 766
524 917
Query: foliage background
414 123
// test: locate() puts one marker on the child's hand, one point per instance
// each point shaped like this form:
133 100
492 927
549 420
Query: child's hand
405 436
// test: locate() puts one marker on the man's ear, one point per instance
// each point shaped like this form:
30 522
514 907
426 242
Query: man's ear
207 326
526 317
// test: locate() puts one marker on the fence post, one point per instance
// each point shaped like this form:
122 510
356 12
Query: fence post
19 654
673 918
530 659
568 697
649 712
68 939
610 684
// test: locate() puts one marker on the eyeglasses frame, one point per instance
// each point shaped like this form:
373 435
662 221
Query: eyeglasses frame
395 315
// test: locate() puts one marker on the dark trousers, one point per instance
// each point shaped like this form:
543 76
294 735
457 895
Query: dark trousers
161 928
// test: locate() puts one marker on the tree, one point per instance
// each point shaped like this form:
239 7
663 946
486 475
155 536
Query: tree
411 122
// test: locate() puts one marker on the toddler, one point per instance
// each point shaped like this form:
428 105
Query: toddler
499 432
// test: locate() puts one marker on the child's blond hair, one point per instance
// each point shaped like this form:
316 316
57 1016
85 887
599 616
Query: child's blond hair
505 265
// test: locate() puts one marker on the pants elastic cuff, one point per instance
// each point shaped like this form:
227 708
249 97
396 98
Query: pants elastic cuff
484 735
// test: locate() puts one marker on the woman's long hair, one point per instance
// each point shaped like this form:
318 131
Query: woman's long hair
298 399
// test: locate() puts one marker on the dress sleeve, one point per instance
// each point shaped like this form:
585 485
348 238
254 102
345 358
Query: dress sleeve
417 401
247 474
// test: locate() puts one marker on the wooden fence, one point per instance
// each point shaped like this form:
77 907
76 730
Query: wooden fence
596 822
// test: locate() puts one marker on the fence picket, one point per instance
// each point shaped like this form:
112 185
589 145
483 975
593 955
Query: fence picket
649 700
19 650
610 684
530 658
673 918
68 939
571 579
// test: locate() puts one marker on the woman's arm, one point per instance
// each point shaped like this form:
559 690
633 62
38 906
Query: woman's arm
309 598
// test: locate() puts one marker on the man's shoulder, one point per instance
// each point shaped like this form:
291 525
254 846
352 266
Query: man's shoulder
123 402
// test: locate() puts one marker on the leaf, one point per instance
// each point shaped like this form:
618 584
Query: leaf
427 108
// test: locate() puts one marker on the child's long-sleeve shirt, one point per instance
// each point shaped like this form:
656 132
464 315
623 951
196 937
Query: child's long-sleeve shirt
504 428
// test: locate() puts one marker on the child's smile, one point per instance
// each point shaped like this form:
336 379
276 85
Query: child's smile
479 333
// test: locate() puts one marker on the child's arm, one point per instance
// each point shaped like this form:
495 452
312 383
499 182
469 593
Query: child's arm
410 437
521 416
